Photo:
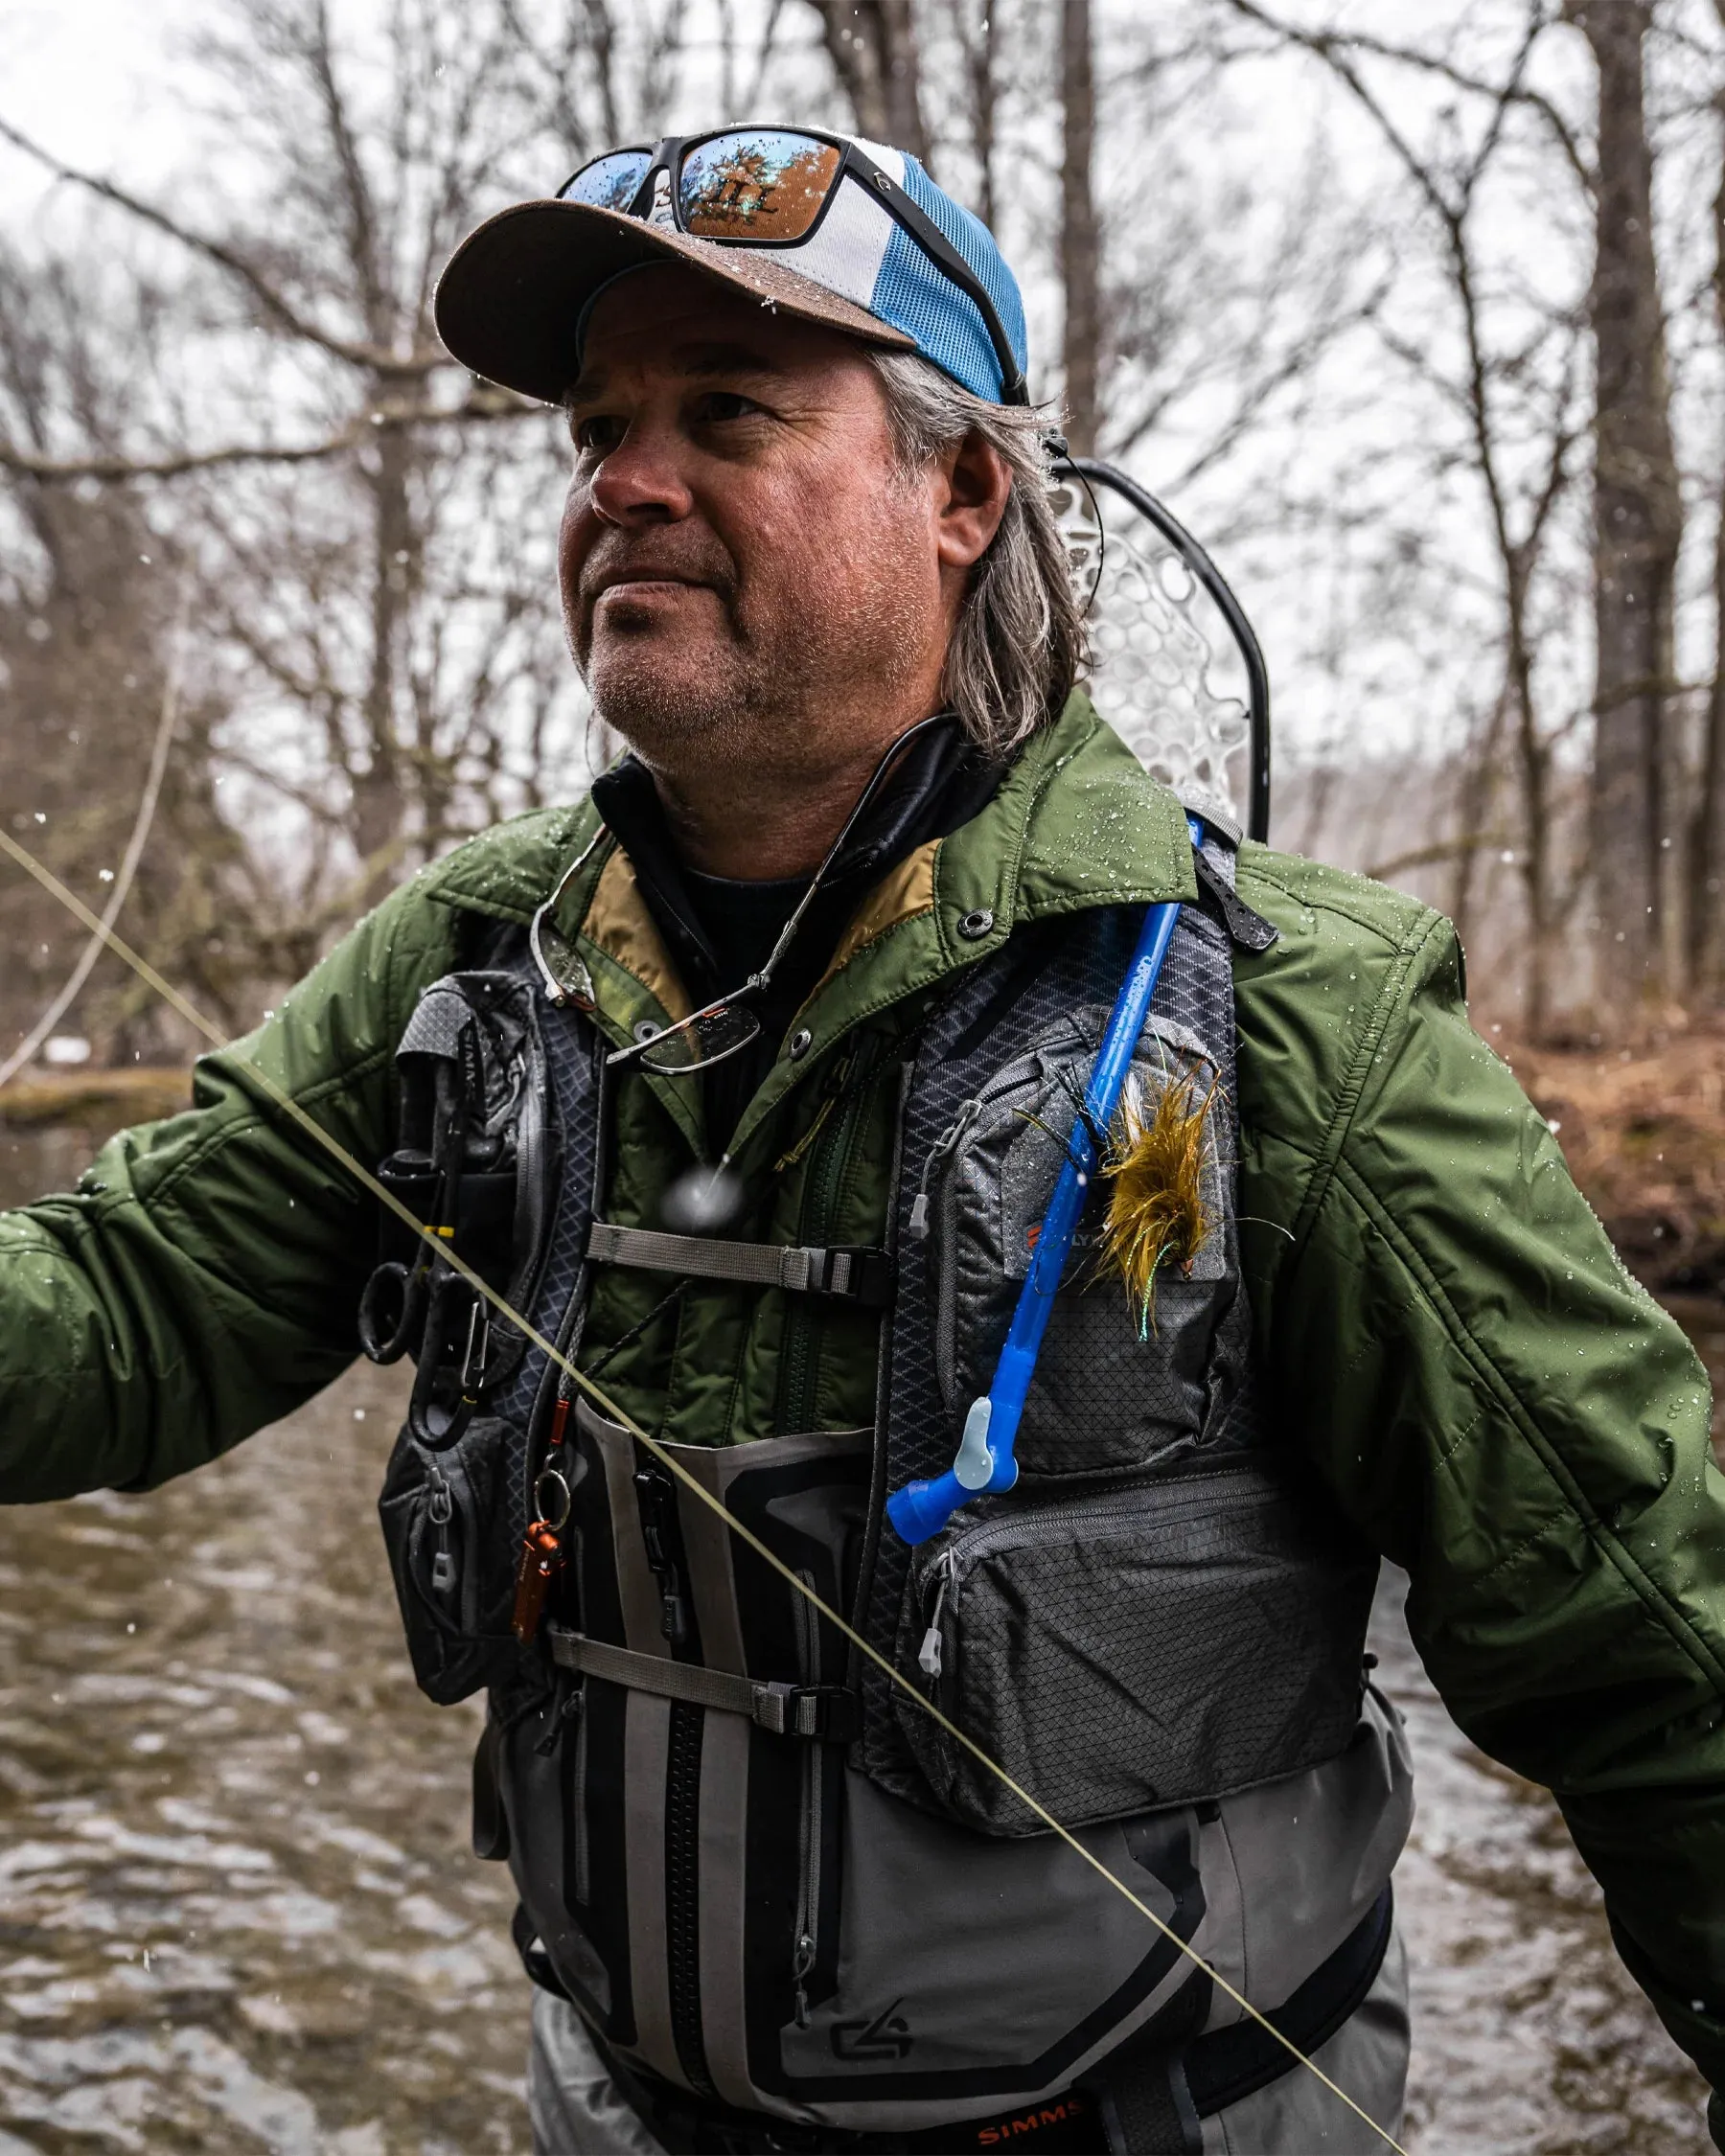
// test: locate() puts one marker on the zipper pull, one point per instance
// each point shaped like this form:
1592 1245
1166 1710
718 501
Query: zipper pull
801 1968
658 1501
968 1112
440 1507
928 1657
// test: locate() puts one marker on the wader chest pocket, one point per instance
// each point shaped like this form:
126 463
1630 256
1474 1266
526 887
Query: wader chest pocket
1167 1642
448 1552
1115 1387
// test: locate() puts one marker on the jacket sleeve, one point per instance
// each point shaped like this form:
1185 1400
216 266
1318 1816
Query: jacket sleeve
202 1280
1510 1417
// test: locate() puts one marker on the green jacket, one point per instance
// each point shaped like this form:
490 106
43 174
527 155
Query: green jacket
1445 1328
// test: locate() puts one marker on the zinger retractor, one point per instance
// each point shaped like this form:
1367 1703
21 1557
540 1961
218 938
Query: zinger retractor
985 1461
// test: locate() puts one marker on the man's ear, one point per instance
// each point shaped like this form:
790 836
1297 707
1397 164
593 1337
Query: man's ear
976 482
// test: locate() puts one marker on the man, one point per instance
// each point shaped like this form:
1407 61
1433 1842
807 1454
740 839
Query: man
743 1085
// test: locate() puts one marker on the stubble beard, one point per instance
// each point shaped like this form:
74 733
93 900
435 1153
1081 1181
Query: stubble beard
677 708
763 691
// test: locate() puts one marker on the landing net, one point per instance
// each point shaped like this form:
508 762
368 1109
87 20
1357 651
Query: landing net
1173 663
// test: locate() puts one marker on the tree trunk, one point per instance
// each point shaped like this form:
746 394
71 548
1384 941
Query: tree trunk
379 799
1706 849
1637 526
872 46
1080 247
982 43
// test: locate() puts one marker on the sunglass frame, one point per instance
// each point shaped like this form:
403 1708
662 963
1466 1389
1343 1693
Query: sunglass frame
668 154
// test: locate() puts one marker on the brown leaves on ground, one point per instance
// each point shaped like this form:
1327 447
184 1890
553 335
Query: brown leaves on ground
1643 1129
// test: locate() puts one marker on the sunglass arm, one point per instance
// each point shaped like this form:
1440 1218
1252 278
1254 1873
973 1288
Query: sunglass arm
986 1462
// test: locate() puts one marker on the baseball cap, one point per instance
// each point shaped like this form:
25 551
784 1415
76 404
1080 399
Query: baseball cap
829 228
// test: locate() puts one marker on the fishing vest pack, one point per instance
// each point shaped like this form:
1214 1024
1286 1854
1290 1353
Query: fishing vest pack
767 1878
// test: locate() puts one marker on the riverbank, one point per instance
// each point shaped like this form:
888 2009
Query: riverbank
1643 1130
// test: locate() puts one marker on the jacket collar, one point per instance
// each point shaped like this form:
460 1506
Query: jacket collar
1075 823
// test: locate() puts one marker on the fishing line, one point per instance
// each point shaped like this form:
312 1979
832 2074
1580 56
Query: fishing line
134 850
369 1182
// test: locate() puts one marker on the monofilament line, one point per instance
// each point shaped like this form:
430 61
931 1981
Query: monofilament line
289 1107
69 989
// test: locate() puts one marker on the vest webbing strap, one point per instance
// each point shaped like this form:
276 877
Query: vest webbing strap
851 1275
800 1710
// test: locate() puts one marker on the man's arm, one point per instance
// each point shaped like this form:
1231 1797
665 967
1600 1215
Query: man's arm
202 1280
1507 1415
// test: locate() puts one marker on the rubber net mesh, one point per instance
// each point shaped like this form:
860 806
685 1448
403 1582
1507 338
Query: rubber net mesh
1165 663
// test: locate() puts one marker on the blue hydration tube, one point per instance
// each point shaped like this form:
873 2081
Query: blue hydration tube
985 1460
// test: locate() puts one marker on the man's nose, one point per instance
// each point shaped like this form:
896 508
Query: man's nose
641 481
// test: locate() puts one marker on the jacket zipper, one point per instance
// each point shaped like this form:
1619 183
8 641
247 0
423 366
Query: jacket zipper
828 1163
807 1949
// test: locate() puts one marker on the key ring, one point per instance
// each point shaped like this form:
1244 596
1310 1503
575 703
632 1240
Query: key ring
541 1498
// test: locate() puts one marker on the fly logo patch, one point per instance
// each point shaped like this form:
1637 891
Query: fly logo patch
887 2037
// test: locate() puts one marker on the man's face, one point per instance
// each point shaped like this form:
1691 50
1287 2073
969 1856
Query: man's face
741 556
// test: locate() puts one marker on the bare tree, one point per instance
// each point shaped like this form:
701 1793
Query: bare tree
1080 242
1534 374
1637 529
978 25
872 45
1706 846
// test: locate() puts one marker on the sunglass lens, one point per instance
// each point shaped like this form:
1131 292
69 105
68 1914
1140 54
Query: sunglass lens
757 183
706 1039
613 181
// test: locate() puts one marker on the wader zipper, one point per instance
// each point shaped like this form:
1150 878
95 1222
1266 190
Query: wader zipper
814 1768
682 1891
661 1533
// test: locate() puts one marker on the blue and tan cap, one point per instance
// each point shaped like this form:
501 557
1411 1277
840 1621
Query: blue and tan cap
511 302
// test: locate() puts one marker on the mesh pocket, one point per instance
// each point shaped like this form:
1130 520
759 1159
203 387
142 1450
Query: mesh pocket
1113 1388
1166 1641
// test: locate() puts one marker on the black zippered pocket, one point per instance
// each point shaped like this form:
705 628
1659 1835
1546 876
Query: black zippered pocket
447 1552
1154 1642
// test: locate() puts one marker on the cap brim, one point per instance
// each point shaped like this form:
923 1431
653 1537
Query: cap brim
509 303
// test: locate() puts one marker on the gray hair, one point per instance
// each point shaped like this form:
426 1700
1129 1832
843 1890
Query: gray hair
1021 640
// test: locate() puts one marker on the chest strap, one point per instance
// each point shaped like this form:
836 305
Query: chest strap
798 1710
851 1273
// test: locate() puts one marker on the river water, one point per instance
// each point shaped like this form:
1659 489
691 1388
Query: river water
238 1911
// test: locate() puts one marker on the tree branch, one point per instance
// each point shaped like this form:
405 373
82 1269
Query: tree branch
484 403
378 360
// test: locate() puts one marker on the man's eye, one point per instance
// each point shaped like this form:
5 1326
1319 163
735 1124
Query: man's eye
599 433
726 404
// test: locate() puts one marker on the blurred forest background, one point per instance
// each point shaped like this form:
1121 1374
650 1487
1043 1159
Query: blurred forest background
1416 314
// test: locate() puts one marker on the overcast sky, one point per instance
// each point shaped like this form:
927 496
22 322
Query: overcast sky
87 77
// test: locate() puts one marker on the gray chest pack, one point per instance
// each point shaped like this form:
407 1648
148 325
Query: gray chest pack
767 1878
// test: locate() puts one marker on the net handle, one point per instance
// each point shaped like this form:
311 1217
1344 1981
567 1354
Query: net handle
1097 473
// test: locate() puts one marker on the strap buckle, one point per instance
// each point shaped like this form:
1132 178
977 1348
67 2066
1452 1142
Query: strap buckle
827 1712
849 1272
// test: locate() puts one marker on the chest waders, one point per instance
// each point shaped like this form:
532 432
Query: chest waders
767 1881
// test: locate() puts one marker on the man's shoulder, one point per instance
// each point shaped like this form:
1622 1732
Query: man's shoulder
1349 956
508 869
1332 908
